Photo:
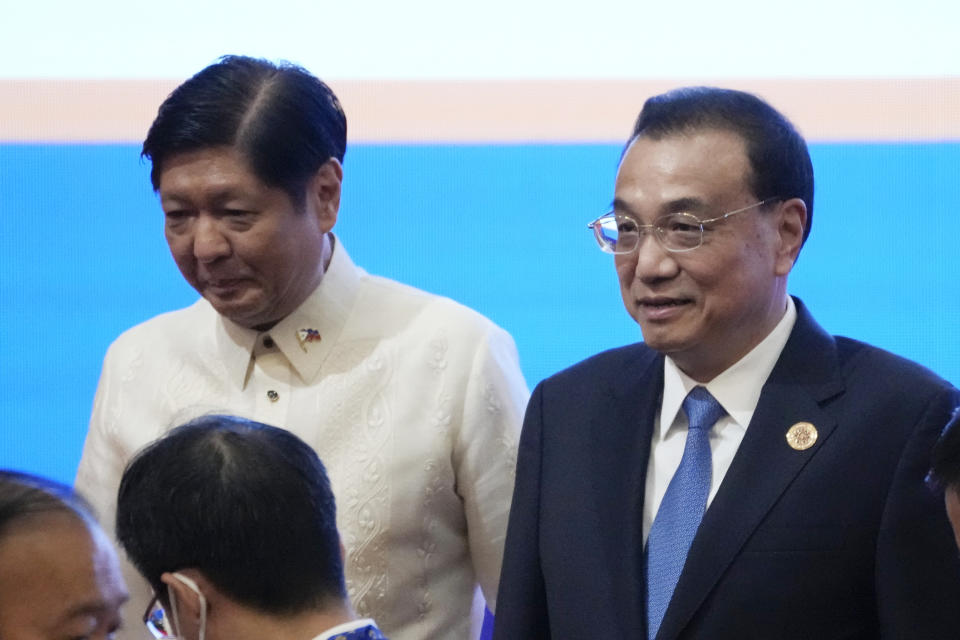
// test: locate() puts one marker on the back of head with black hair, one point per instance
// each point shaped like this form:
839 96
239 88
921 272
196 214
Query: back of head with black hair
23 495
248 505
945 469
777 153
282 119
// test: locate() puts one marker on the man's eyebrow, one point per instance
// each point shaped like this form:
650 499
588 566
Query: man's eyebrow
94 607
686 205
618 204
217 197
170 198
221 196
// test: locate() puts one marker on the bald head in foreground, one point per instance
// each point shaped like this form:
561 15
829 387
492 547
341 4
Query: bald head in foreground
59 574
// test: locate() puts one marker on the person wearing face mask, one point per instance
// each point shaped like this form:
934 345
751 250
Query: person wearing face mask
233 524
59 575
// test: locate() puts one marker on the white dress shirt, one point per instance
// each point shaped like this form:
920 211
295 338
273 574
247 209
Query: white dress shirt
413 402
737 390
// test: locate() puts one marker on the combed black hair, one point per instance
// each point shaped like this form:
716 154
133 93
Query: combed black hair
23 495
284 121
778 154
247 504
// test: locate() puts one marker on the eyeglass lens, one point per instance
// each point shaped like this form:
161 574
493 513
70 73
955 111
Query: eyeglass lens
157 623
676 231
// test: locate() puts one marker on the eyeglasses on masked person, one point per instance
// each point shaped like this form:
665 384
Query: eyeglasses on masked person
157 621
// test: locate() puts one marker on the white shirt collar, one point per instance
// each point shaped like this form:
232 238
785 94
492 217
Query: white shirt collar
738 388
344 628
324 311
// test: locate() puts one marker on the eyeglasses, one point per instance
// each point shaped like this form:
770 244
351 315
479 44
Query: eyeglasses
676 232
155 619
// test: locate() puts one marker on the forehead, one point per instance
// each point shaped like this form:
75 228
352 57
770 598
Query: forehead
208 169
707 165
56 564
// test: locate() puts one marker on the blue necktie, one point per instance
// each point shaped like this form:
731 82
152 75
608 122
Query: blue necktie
682 508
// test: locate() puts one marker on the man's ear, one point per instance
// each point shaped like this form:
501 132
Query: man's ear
323 193
188 602
792 220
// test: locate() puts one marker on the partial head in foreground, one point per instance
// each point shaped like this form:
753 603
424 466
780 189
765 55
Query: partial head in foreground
242 510
712 205
247 160
59 574
945 471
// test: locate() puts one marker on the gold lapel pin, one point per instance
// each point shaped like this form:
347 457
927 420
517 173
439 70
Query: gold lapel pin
305 336
801 436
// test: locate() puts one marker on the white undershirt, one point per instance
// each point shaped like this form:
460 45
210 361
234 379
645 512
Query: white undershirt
737 390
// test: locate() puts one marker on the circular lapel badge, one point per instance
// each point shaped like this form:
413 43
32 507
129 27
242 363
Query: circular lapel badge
801 436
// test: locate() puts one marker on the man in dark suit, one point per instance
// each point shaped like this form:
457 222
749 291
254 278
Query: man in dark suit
741 474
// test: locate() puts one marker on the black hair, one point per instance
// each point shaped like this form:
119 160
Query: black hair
778 155
284 121
945 470
23 495
247 504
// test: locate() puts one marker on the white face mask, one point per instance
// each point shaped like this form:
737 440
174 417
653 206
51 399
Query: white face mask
173 606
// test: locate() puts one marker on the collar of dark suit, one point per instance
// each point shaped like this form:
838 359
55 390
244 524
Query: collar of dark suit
809 359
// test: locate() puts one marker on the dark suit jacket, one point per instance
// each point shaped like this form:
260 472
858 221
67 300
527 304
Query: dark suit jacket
842 540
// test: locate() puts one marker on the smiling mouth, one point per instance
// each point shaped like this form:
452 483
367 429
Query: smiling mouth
662 303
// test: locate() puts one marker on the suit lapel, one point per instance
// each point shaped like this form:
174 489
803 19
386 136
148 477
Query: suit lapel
806 374
621 434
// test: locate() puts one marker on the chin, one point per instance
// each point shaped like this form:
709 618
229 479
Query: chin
245 317
667 345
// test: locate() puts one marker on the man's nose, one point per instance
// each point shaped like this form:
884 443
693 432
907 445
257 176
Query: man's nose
209 243
654 262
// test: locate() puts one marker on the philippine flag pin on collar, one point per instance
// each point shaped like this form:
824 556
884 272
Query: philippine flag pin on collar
305 336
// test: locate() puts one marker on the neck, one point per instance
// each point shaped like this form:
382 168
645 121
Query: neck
327 252
326 255
244 624
706 364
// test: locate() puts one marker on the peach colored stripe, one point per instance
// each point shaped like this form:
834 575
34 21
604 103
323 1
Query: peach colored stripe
921 109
